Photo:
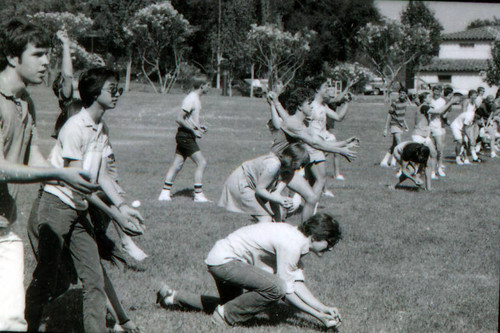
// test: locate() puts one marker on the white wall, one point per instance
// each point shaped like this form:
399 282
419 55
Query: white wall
452 50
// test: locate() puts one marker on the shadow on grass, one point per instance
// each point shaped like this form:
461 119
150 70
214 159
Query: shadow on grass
408 188
276 315
187 192
65 313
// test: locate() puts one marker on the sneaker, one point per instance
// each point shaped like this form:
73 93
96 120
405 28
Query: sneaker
467 162
441 172
384 165
328 193
165 296
218 317
459 161
398 174
129 327
129 247
165 196
493 154
200 197
434 176
340 177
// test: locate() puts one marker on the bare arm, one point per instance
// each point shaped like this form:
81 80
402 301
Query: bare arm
340 114
281 112
386 126
185 121
67 65
444 107
270 173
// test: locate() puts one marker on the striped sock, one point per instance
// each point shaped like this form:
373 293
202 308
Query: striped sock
167 186
197 188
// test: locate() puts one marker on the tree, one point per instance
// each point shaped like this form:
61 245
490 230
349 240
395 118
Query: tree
77 26
280 52
349 73
418 14
483 23
111 17
390 46
493 71
159 35
336 22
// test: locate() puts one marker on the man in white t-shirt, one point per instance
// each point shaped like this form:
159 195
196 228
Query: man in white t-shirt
438 106
189 130
258 265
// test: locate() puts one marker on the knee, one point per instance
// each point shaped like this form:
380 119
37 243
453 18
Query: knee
276 291
311 198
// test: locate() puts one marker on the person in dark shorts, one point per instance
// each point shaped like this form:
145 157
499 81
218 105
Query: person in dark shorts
189 130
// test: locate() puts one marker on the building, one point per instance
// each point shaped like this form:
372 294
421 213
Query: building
462 60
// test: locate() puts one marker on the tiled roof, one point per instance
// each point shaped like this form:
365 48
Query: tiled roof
476 34
455 65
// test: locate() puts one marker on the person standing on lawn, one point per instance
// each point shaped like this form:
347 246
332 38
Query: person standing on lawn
23 61
189 130
63 213
259 265
397 122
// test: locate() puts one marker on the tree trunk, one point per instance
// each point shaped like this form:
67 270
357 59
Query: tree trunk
251 80
128 73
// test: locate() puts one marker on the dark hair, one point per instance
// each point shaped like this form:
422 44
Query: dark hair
91 83
292 158
422 153
322 227
403 89
15 37
422 97
291 98
438 88
447 90
481 88
198 81
472 91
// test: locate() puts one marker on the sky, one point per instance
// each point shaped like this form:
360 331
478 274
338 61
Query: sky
453 16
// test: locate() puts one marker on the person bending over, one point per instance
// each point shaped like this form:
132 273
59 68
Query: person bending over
258 265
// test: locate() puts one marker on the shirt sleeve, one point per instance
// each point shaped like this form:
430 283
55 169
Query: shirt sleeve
288 265
70 139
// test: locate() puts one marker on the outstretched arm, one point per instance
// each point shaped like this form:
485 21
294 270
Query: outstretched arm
67 65
305 301
340 114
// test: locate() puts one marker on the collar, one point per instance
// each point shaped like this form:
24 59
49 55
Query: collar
88 121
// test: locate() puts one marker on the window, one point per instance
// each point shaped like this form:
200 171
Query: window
466 44
444 78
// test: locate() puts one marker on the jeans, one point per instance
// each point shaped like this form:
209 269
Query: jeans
61 227
232 279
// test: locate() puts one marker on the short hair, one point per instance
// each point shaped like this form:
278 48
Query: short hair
322 226
291 98
293 157
423 152
481 88
472 91
15 37
91 83
447 90
315 83
422 97
198 81
437 87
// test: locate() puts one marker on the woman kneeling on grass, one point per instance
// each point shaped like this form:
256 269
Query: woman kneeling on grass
412 158
264 260
255 187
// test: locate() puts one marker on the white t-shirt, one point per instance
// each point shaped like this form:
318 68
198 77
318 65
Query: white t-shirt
465 118
83 140
191 104
435 119
273 247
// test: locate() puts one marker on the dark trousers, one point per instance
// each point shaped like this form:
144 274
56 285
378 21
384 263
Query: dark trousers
61 227
232 279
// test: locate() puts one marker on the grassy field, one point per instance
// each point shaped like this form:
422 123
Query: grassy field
410 261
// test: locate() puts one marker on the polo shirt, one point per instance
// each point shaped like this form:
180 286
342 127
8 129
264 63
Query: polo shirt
17 134
83 140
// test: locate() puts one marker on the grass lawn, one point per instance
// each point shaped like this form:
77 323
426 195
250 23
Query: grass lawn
410 261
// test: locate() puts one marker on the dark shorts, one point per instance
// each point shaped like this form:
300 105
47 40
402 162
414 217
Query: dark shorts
186 143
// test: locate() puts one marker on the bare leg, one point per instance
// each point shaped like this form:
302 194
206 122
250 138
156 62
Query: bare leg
201 164
174 169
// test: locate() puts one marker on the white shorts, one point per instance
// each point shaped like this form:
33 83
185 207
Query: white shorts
12 284
437 131
457 133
